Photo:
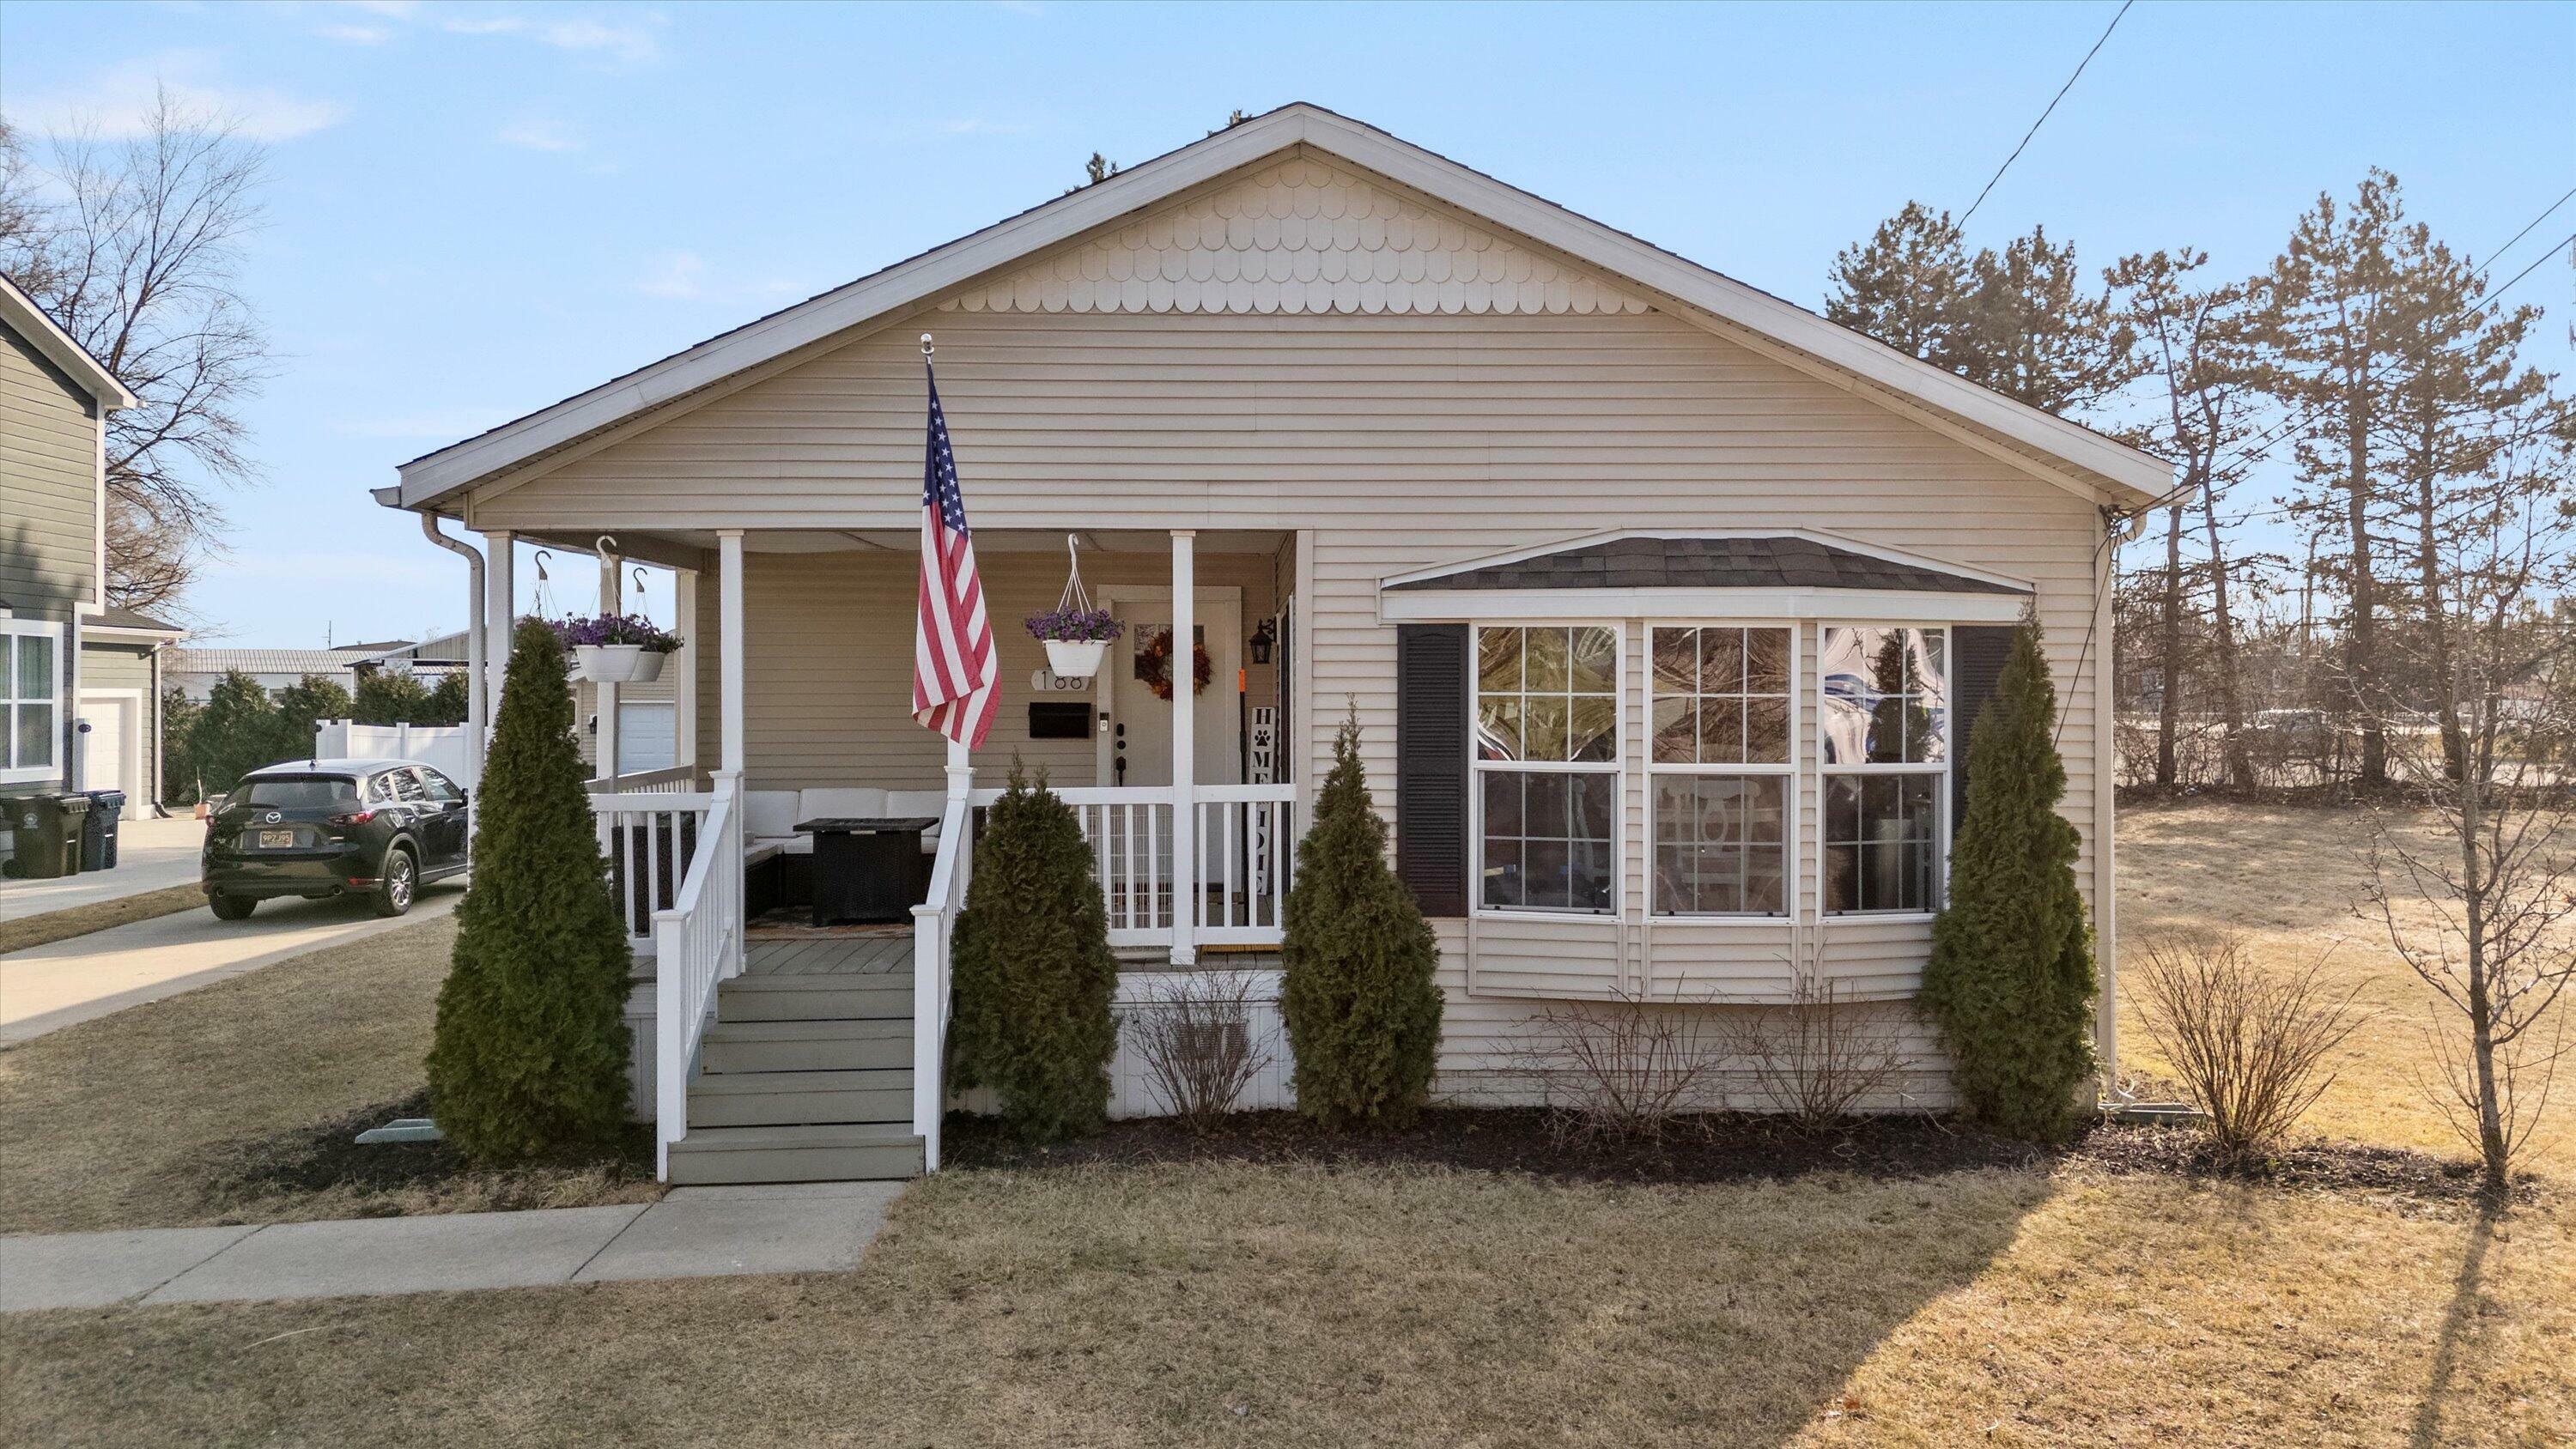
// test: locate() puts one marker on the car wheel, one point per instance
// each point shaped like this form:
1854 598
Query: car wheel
232 908
400 880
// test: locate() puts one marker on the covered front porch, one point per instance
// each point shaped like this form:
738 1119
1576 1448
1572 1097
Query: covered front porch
793 704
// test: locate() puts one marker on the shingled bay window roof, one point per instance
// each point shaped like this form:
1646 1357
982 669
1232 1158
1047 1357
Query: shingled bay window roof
1783 561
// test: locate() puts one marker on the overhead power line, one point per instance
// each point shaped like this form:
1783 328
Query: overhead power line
2490 258
2045 114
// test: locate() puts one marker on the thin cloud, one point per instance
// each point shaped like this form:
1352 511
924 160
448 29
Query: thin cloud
355 34
120 103
676 277
535 133
626 44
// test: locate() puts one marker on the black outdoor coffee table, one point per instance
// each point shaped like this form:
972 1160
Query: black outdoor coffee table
867 868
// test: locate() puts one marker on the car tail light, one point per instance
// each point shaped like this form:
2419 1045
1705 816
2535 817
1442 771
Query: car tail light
358 818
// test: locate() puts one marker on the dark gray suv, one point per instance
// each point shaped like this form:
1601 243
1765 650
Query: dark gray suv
317 828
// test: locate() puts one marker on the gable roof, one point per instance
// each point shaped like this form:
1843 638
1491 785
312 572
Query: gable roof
2065 453
1727 561
42 333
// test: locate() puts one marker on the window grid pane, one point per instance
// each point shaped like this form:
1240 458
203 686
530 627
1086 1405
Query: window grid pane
1548 839
1547 694
1886 696
1882 842
1722 699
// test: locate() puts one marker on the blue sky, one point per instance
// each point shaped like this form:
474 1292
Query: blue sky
476 210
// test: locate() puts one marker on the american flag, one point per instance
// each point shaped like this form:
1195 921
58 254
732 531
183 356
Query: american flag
955 679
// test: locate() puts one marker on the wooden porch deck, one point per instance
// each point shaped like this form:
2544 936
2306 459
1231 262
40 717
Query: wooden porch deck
880 953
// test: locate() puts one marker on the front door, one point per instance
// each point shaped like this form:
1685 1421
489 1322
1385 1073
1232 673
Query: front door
1137 745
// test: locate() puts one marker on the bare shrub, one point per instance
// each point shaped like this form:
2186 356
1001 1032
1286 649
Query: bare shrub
1627 1069
1195 1035
2249 1045
1820 1056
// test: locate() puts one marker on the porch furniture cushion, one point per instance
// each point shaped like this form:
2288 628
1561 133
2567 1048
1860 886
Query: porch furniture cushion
844 801
933 803
769 814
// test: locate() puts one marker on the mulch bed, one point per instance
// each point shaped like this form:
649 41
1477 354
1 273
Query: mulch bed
1718 1147
327 1155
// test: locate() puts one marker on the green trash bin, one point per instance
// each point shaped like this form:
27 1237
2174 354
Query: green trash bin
47 830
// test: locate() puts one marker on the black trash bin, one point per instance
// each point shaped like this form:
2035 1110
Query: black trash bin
98 832
46 835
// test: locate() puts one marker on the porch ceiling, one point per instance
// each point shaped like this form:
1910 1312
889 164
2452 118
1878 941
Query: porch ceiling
988 541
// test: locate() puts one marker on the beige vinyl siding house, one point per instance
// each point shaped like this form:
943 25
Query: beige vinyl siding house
1326 378
54 401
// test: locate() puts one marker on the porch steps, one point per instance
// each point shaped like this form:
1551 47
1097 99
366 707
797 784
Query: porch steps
803 1078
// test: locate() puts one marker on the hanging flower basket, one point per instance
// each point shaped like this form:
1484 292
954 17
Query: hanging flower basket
1076 635
615 649
1154 666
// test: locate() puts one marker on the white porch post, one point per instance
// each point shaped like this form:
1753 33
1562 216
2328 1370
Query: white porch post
729 661
729 702
1185 748
611 601
500 618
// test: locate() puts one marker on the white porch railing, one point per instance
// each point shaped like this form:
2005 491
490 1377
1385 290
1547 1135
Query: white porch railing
697 944
934 931
651 827
1245 853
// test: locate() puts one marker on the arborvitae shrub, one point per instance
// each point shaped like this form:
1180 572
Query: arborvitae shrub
2010 981
530 1053
1358 998
1033 974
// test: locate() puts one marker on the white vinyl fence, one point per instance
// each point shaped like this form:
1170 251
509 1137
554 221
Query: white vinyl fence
442 747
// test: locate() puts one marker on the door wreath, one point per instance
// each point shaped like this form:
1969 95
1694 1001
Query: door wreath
1154 665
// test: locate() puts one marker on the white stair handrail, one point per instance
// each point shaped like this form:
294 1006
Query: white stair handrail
697 945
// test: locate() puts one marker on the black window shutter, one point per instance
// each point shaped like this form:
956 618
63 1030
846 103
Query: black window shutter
1431 764
1981 650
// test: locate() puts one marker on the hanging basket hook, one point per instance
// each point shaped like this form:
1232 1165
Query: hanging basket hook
1074 596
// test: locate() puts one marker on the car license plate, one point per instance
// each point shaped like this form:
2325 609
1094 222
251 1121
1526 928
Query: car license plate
277 840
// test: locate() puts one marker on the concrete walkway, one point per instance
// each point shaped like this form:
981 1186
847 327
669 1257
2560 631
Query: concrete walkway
150 855
693 1232
46 988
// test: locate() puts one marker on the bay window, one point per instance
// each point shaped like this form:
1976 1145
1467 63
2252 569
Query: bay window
1721 769
1545 759
1884 717
31 687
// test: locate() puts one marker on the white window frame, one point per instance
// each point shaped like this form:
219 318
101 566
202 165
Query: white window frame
1795 813
12 773
1827 771
1616 767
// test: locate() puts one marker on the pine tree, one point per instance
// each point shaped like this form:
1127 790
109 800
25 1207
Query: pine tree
178 749
387 698
2332 358
2010 981
1033 973
1357 993
307 702
237 731
530 1053
448 700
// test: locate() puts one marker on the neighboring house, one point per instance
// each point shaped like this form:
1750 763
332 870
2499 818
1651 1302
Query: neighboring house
54 402
1662 604
124 662
197 671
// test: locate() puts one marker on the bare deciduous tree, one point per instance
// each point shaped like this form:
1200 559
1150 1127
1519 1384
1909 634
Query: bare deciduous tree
2250 1045
2499 889
134 248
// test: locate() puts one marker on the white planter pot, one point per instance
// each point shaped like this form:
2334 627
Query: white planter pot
648 667
1075 658
608 663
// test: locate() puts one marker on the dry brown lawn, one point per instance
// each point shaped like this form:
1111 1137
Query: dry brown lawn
1233 1304
62 925
2287 878
1225 1303
131 1121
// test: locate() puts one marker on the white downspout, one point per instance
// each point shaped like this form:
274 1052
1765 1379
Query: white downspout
475 684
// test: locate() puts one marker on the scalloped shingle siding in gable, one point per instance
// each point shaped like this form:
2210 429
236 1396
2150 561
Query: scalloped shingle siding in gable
1300 237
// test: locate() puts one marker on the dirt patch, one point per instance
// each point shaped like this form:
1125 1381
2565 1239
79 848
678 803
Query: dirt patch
395 1179
1715 1148
62 925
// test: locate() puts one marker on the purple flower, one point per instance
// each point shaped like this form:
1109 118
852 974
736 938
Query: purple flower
1076 626
618 629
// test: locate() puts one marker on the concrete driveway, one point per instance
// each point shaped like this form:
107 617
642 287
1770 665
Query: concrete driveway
150 854
46 988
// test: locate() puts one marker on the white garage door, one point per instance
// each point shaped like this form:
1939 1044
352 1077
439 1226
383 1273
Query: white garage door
647 736
111 747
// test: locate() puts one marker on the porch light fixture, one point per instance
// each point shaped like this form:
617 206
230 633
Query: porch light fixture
1262 638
